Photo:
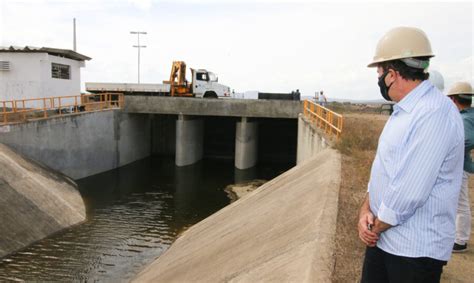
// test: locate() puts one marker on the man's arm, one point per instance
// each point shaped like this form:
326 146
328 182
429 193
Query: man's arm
380 226
366 218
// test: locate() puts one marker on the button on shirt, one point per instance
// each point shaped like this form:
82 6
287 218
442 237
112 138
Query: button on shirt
416 175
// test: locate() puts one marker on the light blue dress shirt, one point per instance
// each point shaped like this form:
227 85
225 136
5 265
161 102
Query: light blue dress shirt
416 175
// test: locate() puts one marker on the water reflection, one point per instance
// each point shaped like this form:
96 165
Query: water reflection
242 176
134 213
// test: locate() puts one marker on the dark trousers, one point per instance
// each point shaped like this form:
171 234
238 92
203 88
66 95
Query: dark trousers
380 266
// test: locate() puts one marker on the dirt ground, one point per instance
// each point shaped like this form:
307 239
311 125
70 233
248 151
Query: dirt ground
461 266
358 146
236 191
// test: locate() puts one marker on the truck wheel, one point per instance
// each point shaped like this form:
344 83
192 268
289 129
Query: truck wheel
210 94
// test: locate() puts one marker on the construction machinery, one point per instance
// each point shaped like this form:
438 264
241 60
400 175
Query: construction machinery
204 84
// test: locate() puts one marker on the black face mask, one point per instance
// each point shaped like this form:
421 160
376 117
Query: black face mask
383 87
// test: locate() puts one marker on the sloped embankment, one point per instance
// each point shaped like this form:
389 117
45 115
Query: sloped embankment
282 232
34 201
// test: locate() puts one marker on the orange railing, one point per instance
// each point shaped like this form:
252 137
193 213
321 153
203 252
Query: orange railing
323 118
22 110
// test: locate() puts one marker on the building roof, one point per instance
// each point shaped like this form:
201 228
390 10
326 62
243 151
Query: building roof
53 51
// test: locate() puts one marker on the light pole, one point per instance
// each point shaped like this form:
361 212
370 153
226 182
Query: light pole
138 46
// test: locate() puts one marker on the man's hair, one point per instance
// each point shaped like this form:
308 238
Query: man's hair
408 73
463 101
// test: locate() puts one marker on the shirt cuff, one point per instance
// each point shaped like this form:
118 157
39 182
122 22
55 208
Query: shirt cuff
388 216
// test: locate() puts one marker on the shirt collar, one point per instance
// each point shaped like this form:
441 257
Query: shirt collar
411 99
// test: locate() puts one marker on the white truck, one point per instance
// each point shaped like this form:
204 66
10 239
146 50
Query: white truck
204 84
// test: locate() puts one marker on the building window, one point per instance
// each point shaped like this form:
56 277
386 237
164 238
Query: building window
59 71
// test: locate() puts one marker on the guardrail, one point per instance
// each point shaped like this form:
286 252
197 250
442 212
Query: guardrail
23 110
329 121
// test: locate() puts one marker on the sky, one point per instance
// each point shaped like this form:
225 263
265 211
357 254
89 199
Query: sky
269 46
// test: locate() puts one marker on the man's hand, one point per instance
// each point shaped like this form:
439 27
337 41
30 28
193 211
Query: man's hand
380 226
367 236
366 218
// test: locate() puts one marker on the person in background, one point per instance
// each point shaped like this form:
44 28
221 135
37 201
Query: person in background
437 80
461 94
322 99
297 95
407 218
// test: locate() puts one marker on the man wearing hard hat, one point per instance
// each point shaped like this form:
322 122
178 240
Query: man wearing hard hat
407 218
461 94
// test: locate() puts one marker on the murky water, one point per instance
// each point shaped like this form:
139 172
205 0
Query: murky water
134 213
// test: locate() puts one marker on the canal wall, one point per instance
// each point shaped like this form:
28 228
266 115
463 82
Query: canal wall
34 202
84 144
310 140
282 232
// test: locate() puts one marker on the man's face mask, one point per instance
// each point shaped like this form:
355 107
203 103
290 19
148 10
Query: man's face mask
383 87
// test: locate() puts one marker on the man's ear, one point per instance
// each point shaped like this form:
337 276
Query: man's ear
392 75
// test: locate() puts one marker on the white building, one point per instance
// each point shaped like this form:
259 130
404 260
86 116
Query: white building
31 72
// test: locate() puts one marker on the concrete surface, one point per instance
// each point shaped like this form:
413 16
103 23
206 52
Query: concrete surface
34 202
281 232
310 140
213 107
84 144
246 141
189 140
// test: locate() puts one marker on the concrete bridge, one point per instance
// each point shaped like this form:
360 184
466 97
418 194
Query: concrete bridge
213 107
190 129
190 123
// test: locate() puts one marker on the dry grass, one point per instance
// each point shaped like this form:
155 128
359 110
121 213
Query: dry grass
358 146
349 108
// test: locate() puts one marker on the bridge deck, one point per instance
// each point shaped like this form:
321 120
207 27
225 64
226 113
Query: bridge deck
213 107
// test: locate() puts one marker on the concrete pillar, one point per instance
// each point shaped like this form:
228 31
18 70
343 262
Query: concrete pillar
246 144
189 140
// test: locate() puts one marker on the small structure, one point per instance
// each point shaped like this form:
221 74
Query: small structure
33 72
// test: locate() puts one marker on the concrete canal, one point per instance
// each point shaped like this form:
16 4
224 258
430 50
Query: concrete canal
134 213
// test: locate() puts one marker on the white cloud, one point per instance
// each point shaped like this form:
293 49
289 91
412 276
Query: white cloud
142 4
263 45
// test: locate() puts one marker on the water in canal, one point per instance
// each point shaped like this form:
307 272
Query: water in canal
134 213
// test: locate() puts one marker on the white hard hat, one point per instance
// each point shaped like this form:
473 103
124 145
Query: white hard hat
461 89
403 43
437 80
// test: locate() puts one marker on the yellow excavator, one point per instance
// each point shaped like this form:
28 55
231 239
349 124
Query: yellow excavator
179 86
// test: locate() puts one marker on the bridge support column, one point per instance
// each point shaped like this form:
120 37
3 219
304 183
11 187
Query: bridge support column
189 140
246 139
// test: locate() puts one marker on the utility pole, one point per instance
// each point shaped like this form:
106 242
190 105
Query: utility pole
138 46
74 34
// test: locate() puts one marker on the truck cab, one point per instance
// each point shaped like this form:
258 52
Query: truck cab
205 85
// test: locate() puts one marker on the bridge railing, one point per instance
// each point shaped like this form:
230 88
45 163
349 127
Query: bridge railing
22 110
323 118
